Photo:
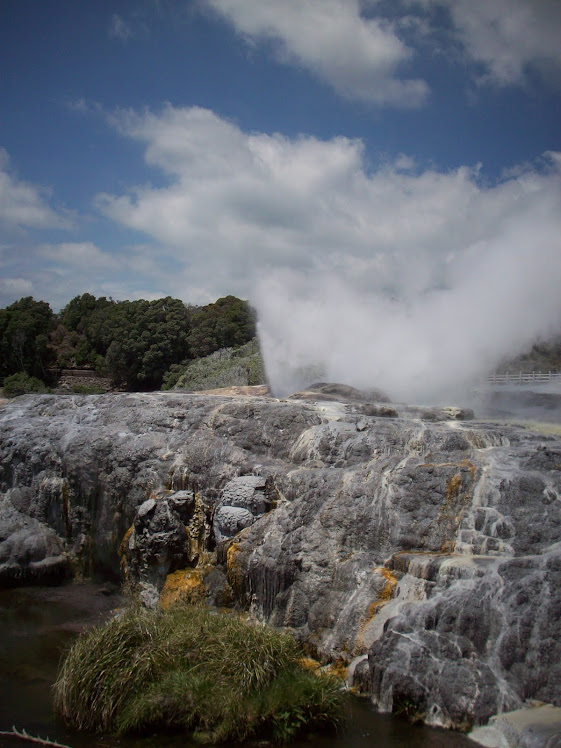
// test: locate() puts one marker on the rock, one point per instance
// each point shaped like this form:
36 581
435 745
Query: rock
533 727
183 585
378 411
459 414
243 500
430 544
158 544
165 536
30 552
148 595
447 414
339 393
229 520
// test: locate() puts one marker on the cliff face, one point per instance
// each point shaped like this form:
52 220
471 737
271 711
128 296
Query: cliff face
429 543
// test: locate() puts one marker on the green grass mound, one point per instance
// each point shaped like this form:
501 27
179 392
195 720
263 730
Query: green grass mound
212 675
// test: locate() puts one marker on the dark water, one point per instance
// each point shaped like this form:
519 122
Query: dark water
38 623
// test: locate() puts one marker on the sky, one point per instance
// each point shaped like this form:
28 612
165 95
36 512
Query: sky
380 178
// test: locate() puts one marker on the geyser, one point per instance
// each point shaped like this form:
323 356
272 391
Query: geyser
423 324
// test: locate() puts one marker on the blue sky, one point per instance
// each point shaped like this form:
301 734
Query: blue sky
196 148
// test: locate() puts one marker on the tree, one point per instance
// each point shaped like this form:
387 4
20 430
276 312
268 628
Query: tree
228 323
147 338
25 326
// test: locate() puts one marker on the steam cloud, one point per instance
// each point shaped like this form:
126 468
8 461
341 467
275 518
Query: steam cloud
438 323
410 279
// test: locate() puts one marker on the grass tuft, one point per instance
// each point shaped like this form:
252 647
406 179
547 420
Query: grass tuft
212 675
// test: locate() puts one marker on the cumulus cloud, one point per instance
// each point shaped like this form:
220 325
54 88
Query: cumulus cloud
68 256
23 205
507 36
14 288
119 28
409 278
58 272
358 56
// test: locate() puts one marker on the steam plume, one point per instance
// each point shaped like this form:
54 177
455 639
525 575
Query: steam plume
430 324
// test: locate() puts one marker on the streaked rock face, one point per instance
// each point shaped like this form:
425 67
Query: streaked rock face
428 542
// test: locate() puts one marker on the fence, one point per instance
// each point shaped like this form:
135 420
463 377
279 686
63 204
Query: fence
524 377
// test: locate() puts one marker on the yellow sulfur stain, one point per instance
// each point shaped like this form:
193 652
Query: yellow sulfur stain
337 669
308 663
184 585
453 487
122 552
384 596
233 568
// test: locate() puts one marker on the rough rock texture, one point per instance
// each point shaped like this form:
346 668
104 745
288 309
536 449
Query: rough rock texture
538 726
243 500
30 551
429 542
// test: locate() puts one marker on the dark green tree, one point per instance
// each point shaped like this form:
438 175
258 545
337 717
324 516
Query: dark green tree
25 326
228 323
146 339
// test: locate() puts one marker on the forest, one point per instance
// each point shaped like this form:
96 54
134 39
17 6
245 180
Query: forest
133 343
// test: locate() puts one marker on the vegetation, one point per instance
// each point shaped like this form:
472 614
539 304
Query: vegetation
542 356
22 384
87 389
25 327
224 368
135 343
212 675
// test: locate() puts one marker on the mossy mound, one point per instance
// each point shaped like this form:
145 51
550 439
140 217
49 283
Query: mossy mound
212 675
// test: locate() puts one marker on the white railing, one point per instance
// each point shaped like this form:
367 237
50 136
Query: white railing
524 377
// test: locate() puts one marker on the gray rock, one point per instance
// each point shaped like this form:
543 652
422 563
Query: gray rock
536 726
158 544
30 552
339 393
428 543
243 500
229 520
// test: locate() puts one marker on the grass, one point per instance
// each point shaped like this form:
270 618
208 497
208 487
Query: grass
88 389
212 675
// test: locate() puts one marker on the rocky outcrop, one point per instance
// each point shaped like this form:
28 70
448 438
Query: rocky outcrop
428 542
30 551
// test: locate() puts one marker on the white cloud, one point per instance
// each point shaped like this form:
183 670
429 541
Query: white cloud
358 56
507 36
119 28
69 256
399 277
15 288
58 272
23 205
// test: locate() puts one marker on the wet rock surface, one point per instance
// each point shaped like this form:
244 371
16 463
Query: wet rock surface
419 537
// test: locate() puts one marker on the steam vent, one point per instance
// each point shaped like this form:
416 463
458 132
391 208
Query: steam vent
420 547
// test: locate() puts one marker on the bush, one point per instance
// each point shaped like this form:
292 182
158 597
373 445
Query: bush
88 389
187 668
224 368
22 384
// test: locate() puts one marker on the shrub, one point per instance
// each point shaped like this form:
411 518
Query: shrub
224 368
22 384
212 675
88 389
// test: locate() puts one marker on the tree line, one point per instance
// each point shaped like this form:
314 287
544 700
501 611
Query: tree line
134 343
